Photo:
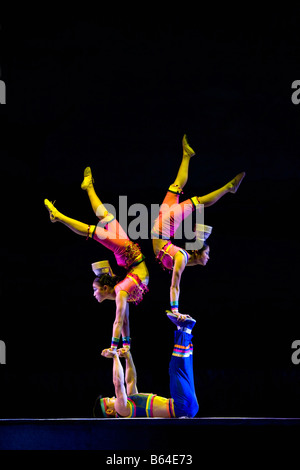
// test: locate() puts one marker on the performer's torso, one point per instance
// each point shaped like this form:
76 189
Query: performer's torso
147 405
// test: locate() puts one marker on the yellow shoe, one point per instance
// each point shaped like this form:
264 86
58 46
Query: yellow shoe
187 150
88 179
235 183
51 209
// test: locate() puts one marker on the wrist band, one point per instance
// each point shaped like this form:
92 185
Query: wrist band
114 342
126 341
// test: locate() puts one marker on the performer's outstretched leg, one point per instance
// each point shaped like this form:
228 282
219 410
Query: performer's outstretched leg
98 207
231 187
80 228
181 372
183 172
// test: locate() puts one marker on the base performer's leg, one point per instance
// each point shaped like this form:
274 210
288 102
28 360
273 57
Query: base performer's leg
181 372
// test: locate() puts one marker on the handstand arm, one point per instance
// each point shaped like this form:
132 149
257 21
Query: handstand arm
126 327
122 313
179 265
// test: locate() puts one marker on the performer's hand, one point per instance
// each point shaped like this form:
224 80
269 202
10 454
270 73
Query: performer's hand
124 352
182 317
109 352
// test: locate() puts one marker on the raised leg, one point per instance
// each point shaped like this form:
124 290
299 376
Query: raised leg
88 186
78 227
231 187
183 172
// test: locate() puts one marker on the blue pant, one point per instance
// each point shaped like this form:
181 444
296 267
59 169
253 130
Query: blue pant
181 372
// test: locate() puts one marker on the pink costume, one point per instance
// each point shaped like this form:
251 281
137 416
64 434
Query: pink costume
127 254
134 287
171 214
167 253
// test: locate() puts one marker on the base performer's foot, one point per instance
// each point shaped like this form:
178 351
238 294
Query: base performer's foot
188 324
187 150
88 179
182 321
177 318
235 183
52 211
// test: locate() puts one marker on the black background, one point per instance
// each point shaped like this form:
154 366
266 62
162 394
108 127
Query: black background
118 95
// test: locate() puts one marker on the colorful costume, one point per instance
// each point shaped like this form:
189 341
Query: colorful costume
127 254
182 386
134 287
171 214
113 237
141 405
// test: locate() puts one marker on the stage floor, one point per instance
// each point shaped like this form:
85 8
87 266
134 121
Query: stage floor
185 436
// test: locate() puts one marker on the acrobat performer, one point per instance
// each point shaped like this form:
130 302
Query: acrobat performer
171 214
129 403
110 234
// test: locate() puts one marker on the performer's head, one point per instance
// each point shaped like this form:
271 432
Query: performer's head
199 256
104 407
104 285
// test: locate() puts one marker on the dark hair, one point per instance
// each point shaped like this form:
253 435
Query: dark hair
203 248
107 280
97 410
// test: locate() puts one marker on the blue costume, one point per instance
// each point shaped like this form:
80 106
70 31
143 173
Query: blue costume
181 372
184 401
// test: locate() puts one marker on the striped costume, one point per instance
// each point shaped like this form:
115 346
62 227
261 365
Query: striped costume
181 372
141 405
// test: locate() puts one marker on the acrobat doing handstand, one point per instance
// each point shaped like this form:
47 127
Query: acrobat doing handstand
106 285
129 403
171 214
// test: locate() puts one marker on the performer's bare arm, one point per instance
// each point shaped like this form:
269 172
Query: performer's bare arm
118 380
130 374
126 328
121 323
122 315
179 265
